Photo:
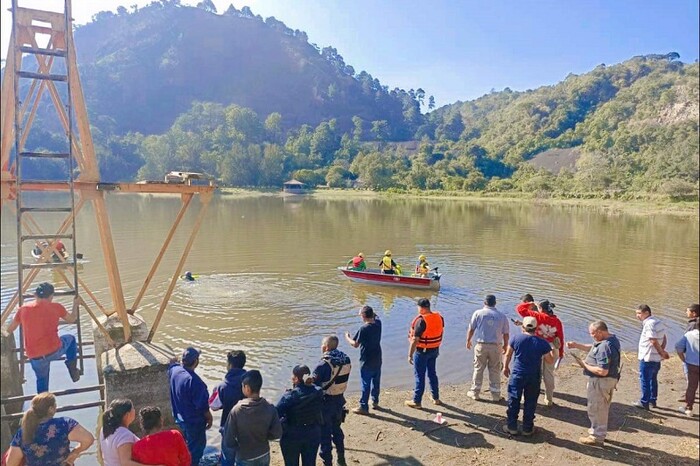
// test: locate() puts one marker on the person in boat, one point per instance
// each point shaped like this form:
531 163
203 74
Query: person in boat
387 264
56 256
422 268
38 247
188 276
60 247
357 263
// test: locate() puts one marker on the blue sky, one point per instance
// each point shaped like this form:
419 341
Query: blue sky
459 50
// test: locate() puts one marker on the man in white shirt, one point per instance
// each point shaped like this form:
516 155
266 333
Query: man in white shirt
652 344
491 330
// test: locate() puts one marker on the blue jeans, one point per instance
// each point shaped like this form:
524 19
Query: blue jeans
331 433
648 373
42 365
370 378
196 439
263 460
228 456
422 362
519 385
300 441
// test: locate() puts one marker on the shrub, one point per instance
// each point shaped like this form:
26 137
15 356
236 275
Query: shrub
680 190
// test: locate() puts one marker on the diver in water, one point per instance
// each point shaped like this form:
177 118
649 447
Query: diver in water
188 276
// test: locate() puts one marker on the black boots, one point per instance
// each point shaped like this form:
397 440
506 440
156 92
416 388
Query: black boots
73 370
341 459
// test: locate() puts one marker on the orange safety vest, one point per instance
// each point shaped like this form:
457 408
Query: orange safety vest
432 336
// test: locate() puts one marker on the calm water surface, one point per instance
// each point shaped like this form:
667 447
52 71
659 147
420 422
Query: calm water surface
269 285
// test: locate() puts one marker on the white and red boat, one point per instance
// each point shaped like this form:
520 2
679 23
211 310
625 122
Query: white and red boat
376 277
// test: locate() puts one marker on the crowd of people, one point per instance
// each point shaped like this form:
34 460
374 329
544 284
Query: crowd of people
308 418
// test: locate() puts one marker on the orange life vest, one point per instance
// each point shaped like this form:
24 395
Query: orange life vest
432 336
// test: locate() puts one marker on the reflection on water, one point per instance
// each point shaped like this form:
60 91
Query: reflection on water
269 285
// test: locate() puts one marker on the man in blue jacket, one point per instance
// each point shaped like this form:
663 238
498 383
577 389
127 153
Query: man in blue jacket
189 398
227 394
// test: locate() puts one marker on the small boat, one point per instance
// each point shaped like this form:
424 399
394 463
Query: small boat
376 277
36 254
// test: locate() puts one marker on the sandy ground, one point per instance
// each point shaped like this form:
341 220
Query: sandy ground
397 435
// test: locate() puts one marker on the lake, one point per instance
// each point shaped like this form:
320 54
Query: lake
268 282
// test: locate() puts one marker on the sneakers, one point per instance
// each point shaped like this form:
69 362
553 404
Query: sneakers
496 397
375 405
473 395
341 461
509 431
360 410
437 402
549 403
652 404
73 370
685 410
640 405
412 404
591 440
528 433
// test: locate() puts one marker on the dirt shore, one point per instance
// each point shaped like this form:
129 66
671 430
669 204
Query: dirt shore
397 435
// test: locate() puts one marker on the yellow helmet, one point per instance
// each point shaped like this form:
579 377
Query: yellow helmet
387 252
421 257
362 255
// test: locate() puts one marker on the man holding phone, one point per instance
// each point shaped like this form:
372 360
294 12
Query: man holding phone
602 366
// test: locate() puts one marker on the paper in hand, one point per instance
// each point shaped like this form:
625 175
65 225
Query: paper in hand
578 360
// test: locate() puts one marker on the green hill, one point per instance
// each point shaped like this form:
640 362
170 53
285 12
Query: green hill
140 70
634 124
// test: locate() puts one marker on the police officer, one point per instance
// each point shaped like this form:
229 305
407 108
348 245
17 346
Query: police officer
332 375
425 336
301 415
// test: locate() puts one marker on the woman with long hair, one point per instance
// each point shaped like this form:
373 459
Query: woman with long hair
116 440
44 440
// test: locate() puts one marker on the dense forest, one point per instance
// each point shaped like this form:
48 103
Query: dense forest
252 103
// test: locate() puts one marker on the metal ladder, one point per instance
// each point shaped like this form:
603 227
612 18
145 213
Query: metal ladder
27 227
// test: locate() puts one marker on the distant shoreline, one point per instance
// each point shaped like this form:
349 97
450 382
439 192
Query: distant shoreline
685 209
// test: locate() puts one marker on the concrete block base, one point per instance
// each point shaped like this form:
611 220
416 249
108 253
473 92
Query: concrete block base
139 371
115 329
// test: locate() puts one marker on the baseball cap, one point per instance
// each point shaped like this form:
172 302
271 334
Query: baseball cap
190 355
44 290
529 323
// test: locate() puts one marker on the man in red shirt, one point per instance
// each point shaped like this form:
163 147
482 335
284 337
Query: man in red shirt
551 329
39 321
166 447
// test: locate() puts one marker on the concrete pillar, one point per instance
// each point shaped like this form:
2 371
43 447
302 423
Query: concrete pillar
139 332
11 386
139 371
